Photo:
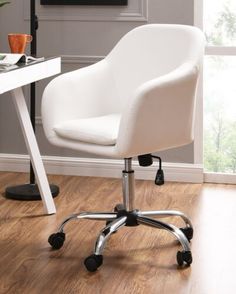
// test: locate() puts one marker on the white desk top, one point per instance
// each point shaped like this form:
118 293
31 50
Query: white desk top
26 74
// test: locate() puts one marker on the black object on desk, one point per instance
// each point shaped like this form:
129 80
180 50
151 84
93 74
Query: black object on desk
30 191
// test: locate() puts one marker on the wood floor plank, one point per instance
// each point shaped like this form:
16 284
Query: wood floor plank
137 260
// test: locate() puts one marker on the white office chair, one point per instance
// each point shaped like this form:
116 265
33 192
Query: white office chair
138 100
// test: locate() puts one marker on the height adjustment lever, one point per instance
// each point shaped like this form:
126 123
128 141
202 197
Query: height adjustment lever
147 160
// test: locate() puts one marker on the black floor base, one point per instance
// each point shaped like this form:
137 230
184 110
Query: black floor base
28 192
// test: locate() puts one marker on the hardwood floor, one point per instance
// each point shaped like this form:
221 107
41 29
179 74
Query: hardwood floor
136 260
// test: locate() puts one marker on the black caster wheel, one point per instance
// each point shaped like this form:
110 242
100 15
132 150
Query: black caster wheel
57 240
188 232
93 262
119 207
184 257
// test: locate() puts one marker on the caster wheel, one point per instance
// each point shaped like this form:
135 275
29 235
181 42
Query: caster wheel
184 257
188 232
93 262
119 207
57 240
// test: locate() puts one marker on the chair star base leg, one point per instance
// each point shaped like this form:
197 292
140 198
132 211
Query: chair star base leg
120 218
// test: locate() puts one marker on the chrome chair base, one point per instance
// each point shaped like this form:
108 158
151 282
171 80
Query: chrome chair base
120 218
125 215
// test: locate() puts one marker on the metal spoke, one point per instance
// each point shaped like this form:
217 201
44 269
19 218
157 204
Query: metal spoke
167 213
104 216
170 228
106 232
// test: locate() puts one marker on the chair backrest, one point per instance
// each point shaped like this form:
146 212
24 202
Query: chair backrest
171 52
150 51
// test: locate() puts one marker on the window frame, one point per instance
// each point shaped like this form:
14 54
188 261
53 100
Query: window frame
210 177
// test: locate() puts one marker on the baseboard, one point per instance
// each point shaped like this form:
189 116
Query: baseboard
102 168
220 178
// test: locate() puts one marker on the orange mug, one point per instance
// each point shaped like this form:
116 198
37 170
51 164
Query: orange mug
18 42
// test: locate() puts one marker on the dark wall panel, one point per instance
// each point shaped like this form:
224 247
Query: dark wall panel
84 2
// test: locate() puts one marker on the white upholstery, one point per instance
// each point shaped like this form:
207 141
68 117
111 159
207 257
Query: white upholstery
150 78
101 130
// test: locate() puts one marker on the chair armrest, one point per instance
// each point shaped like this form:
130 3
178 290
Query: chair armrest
77 94
160 115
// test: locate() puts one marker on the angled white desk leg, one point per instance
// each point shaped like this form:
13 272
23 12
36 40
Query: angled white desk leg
33 150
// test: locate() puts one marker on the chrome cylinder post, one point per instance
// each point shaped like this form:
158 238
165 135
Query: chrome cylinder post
128 164
128 185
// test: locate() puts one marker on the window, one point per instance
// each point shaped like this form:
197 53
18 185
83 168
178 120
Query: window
218 21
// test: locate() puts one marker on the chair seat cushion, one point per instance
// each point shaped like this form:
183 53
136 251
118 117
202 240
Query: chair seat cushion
101 130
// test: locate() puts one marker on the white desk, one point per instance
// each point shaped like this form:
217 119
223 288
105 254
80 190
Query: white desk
13 81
